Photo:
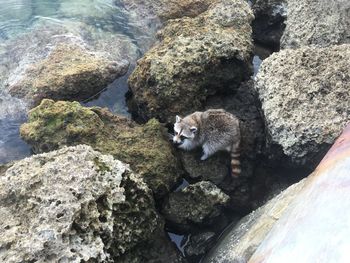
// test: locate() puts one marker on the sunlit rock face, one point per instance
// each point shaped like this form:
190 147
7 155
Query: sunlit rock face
315 225
303 94
196 57
239 241
52 125
73 205
320 23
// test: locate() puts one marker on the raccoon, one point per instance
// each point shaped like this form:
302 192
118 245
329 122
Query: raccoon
214 130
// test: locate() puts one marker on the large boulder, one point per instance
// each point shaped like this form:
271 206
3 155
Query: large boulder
304 95
73 205
70 60
69 72
240 240
196 57
197 204
268 25
321 23
52 125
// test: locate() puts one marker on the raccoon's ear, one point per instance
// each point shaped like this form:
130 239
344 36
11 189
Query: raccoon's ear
178 118
193 129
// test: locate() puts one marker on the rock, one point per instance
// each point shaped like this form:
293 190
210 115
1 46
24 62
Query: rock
268 25
320 23
196 57
52 125
69 72
199 244
73 205
303 95
240 241
55 61
198 204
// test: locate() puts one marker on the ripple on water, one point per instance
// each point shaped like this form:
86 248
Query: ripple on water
28 31
12 115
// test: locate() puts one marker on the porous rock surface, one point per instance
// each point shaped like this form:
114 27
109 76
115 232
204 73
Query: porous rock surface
196 57
199 203
304 95
52 125
239 242
317 22
69 72
73 205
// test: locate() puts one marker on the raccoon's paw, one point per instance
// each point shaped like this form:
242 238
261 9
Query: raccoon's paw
204 157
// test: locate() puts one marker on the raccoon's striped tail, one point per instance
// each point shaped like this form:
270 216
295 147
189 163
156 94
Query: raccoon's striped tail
235 162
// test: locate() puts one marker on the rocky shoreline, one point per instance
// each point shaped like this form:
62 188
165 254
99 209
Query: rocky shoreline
102 187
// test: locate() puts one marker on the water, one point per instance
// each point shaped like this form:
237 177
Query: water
29 29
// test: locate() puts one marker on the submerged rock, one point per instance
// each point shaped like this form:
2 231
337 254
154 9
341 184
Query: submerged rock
268 25
70 72
304 98
197 204
239 241
321 23
196 57
52 125
70 60
73 205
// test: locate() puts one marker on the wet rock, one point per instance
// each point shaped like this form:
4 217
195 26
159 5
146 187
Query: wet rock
320 23
63 60
199 244
52 125
303 95
69 72
268 25
73 205
196 57
197 204
240 241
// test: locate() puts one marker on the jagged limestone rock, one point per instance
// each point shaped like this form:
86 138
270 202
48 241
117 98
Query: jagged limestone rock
317 22
73 205
199 203
69 72
52 125
196 57
304 95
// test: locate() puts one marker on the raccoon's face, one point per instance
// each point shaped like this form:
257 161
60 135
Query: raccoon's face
183 131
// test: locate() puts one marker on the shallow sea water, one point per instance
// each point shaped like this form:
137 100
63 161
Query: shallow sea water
20 17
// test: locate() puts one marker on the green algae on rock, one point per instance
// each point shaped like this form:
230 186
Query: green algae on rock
196 57
52 125
60 206
69 72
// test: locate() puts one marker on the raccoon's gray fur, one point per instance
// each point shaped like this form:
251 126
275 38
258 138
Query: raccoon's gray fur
214 130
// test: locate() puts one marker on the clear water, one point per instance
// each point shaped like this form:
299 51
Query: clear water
29 28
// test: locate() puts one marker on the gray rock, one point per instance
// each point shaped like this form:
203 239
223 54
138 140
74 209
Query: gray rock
73 205
304 95
199 244
198 204
268 25
240 241
196 57
321 23
55 61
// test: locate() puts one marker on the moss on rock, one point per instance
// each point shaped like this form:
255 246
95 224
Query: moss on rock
52 125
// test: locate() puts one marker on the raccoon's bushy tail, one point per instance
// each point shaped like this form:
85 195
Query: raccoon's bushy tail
235 162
